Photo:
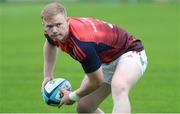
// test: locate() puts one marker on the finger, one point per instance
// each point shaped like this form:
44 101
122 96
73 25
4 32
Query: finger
61 90
59 106
64 91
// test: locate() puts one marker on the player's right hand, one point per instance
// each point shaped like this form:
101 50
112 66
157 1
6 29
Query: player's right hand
45 81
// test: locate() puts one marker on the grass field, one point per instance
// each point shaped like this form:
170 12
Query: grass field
21 43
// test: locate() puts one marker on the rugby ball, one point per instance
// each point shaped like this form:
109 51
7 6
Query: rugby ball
51 93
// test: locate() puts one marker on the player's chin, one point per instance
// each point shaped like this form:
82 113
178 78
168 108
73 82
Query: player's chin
57 38
61 38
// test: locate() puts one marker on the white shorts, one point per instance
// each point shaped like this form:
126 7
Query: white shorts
109 68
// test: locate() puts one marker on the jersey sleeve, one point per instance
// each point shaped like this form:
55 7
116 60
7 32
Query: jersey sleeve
92 62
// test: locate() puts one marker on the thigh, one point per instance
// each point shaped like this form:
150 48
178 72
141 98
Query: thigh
93 100
127 73
130 68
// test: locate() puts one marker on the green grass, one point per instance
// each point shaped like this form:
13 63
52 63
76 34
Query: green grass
21 63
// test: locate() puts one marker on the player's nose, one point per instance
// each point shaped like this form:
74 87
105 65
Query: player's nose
55 30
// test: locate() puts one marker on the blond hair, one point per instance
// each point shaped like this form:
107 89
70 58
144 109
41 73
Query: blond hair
53 9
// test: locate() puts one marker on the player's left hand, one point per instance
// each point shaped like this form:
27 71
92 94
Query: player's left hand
65 99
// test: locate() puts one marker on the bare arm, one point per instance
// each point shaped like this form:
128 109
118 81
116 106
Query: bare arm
50 53
94 81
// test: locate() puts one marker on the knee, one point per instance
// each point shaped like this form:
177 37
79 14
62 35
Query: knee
119 89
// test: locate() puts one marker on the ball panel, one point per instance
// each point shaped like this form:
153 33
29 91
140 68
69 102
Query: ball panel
51 85
55 95
52 103
45 97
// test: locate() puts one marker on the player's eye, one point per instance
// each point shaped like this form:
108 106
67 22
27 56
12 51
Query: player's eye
49 26
58 24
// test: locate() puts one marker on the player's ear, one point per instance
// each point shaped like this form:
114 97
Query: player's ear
42 21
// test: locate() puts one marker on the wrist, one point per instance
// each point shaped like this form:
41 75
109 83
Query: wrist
73 96
46 80
48 77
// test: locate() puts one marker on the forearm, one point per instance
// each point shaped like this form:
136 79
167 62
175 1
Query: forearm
93 81
50 53
87 88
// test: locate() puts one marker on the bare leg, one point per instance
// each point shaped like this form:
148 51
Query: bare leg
126 75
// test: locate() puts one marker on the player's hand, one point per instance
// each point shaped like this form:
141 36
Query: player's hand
45 81
65 99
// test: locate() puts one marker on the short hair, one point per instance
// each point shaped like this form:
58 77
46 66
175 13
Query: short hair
53 9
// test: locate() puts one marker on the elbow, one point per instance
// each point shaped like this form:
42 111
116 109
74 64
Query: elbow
96 78
95 83
98 83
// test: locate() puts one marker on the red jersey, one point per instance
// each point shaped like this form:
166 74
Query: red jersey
92 42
